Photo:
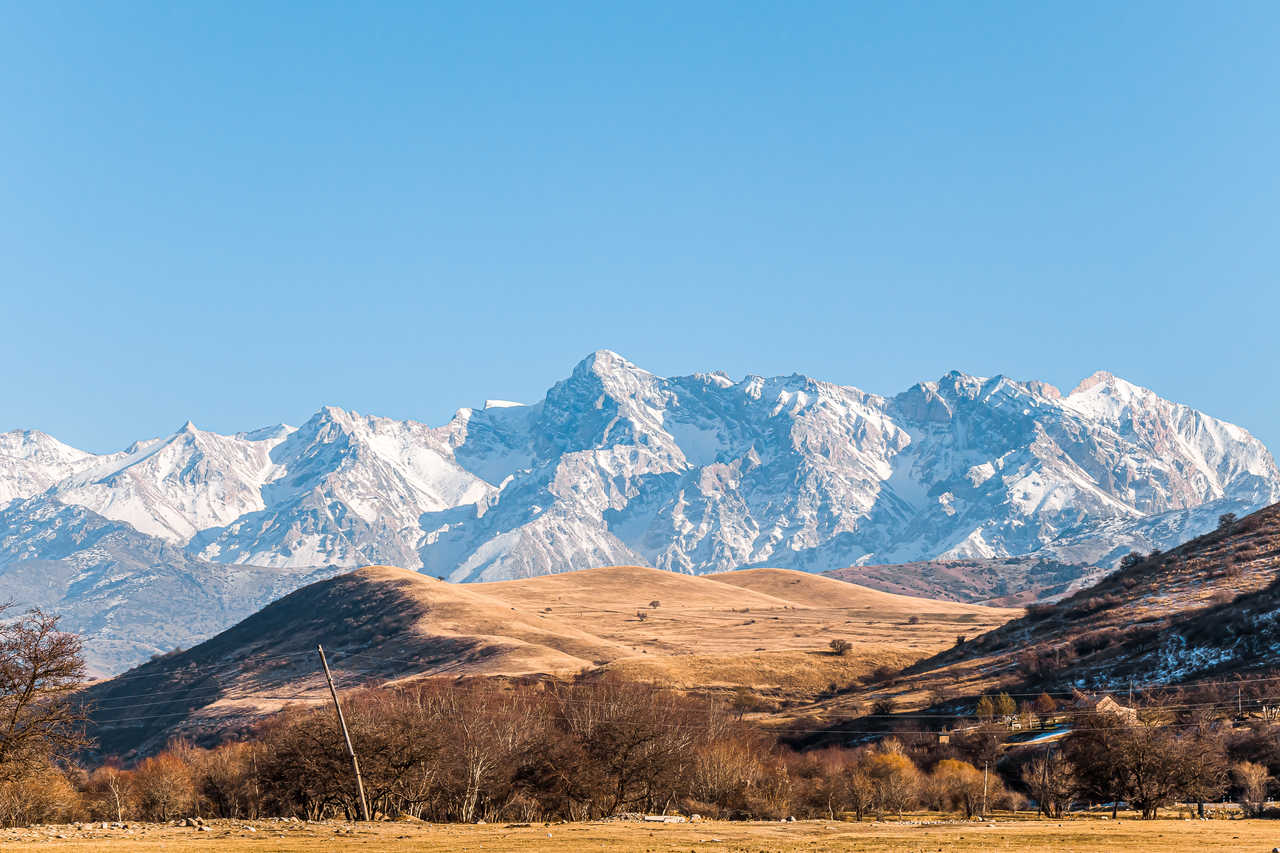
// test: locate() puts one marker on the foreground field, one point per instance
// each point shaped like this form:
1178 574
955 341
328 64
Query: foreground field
1028 836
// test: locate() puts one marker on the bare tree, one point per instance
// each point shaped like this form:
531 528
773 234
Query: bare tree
40 667
164 786
959 785
1094 750
1051 781
1253 780
894 777
1045 706
109 791
859 790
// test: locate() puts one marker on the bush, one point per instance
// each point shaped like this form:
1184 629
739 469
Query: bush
44 796
840 647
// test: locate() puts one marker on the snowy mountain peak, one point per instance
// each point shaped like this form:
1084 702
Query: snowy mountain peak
1107 392
604 362
616 465
1098 377
695 473
31 461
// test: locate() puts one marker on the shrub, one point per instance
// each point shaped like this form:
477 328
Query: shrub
44 796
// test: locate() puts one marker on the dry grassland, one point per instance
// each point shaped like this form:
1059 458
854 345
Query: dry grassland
1025 836
768 630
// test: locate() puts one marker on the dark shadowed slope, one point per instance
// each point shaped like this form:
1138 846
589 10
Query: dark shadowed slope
378 624
1206 609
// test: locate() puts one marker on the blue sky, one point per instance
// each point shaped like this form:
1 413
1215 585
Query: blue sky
236 213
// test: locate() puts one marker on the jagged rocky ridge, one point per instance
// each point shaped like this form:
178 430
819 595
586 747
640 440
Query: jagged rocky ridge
695 474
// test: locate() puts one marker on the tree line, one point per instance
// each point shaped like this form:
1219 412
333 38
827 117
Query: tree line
490 750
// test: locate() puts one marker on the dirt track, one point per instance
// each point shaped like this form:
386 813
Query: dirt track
1027 836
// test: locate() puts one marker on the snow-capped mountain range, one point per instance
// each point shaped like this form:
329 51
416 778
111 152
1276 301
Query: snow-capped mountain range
697 473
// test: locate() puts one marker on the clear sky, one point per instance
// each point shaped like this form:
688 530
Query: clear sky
239 212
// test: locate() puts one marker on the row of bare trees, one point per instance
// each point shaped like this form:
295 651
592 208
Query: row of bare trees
1152 761
490 751
484 751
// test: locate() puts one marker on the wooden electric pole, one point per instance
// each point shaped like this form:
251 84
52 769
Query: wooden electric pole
355 762
984 788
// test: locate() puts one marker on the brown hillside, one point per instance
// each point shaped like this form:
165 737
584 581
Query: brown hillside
1207 610
819 591
383 625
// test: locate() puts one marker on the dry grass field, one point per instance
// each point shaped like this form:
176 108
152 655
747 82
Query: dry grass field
769 630
1026 836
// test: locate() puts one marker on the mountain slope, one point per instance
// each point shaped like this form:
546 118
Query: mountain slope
383 625
992 580
130 596
31 461
1208 608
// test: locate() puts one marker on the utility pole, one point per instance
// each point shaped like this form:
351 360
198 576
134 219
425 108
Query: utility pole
342 721
1044 784
984 787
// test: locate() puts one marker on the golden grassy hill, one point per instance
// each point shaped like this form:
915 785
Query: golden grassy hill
766 629
825 592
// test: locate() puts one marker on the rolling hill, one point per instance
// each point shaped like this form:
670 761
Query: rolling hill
768 629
